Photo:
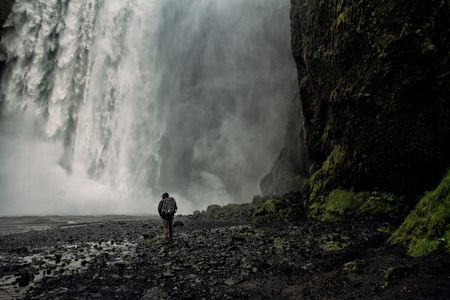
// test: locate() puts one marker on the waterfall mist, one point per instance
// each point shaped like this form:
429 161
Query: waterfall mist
107 104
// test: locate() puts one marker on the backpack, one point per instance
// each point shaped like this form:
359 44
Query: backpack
169 206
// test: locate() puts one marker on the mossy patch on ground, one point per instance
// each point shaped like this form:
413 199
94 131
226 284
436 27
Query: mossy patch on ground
150 240
427 227
280 245
342 204
278 209
333 242
272 210
350 267
339 204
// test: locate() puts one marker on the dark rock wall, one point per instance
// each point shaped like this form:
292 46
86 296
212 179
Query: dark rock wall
374 80
5 8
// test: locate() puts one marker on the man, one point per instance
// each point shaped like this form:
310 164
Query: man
167 208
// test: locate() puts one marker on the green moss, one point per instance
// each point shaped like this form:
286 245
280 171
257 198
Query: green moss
321 180
423 247
150 241
428 46
333 242
270 206
343 18
339 204
385 228
381 203
280 245
277 209
446 238
336 157
212 209
228 211
387 277
333 246
342 204
393 273
270 209
427 226
350 267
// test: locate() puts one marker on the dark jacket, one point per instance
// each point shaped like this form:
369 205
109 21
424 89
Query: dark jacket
160 205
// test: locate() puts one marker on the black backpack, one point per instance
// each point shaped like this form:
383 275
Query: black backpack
168 207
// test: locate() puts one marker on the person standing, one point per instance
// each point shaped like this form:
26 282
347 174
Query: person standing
167 208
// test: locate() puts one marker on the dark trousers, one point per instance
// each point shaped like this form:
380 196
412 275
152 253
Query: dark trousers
167 228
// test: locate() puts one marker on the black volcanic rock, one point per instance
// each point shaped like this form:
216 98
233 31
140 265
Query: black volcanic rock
209 259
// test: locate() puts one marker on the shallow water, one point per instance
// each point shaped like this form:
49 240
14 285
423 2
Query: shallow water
19 224
73 259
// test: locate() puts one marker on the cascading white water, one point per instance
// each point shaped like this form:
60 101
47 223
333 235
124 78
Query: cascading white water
132 98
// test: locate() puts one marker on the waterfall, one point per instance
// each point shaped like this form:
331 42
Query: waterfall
105 104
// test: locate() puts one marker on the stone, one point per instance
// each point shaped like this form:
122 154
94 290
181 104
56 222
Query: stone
178 223
168 274
57 257
24 277
154 293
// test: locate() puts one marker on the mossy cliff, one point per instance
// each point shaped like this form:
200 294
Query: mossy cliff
373 115
374 103
374 85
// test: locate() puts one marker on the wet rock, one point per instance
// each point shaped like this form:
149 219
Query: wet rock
309 267
154 293
168 274
21 250
212 269
237 238
57 258
394 273
178 224
231 281
24 277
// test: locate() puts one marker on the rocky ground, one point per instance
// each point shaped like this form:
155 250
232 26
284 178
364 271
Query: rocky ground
217 259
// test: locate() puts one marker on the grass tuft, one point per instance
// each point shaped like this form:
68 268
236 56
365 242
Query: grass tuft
427 227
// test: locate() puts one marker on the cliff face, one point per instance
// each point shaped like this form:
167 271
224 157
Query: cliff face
374 79
5 8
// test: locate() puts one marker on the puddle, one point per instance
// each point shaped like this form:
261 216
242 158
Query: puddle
70 260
